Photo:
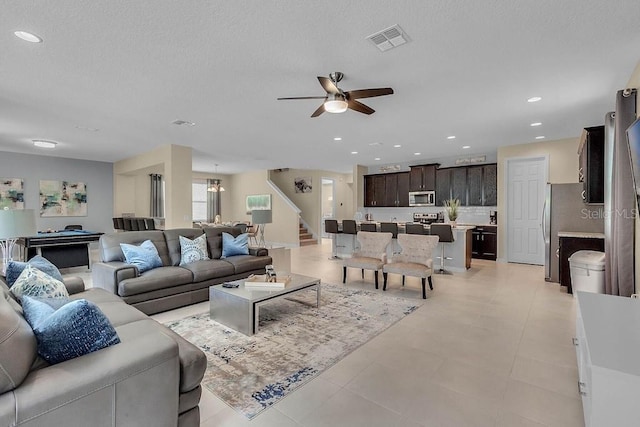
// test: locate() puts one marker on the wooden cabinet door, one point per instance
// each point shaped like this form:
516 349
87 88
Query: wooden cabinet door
443 186
476 244
490 185
379 185
459 185
369 192
594 175
391 190
474 180
403 189
429 177
489 245
415 179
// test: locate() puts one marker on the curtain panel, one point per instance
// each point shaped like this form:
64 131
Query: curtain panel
157 196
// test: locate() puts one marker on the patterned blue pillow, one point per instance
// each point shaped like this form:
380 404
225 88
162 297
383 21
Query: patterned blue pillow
193 250
234 245
34 283
77 328
145 256
14 269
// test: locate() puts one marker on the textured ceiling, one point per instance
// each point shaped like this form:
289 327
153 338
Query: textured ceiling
129 68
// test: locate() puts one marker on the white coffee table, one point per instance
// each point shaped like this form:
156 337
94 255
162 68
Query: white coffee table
239 308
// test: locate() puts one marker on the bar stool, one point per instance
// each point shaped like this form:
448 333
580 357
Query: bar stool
391 227
445 234
126 224
150 223
331 227
142 225
415 229
368 226
349 227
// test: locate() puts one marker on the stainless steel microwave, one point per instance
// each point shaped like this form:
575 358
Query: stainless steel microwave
422 198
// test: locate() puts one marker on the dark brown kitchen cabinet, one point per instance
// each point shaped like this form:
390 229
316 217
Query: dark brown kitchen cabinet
569 246
443 186
490 185
422 178
474 185
459 185
485 242
374 190
397 189
591 171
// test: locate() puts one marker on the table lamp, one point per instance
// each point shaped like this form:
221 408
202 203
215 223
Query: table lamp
261 217
14 224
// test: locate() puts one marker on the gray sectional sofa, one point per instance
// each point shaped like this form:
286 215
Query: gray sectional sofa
151 378
171 286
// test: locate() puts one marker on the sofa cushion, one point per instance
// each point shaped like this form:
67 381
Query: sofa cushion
158 278
172 238
231 246
110 244
75 329
244 263
193 250
145 256
35 283
15 268
214 239
210 269
16 338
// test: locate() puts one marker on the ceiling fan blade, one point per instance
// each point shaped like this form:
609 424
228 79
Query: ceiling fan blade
302 97
328 85
368 93
360 107
319 111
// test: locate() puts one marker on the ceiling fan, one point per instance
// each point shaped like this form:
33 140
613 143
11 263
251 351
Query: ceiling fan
338 101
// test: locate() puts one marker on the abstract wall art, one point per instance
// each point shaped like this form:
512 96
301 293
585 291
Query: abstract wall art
258 202
11 193
303 184
63 198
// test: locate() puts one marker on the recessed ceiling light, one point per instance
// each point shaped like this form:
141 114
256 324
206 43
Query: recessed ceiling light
540 137
451 137
534 99
466 147
28 37
535 124
41 143
416 154
397 146
354 152
337 138
377 158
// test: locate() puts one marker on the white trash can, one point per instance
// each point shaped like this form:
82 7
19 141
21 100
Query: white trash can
587 271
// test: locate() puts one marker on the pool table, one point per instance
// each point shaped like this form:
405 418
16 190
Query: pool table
67 248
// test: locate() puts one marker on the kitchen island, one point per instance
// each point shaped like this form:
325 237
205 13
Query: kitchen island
459 250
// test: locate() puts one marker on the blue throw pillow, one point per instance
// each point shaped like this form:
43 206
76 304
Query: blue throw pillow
234 245
145 256
15 268
76 328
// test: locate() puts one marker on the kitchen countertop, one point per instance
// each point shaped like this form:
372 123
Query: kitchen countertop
581 234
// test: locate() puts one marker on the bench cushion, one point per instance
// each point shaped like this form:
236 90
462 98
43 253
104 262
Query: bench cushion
158 278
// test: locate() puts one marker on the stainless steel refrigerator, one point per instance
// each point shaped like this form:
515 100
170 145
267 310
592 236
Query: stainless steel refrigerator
564 210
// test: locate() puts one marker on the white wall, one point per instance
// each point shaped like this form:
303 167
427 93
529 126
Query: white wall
98 177
226 211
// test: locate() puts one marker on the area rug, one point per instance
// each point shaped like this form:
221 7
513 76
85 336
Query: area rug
295 342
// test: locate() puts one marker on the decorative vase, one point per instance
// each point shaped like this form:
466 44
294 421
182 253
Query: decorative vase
453 224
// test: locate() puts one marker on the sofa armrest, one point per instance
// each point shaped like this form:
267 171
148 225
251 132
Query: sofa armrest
108 275
74 284
258 251
134 382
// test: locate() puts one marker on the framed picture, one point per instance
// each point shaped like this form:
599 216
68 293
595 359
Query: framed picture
303 184
11 193
63 198
258 202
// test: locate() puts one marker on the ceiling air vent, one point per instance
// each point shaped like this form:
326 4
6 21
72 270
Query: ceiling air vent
388 38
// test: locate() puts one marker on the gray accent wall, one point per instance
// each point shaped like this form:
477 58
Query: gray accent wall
98 176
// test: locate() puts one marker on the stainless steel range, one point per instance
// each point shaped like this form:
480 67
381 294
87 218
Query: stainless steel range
428 218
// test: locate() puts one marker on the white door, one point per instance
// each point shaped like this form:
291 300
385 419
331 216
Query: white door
328 202
526 180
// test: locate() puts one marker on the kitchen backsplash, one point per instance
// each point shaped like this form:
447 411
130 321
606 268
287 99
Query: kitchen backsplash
466 214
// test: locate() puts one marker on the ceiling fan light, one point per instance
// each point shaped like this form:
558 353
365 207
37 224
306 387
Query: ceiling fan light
336 105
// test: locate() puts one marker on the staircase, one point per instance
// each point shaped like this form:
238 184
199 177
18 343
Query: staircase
306 238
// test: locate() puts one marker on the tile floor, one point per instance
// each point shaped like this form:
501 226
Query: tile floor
490 347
